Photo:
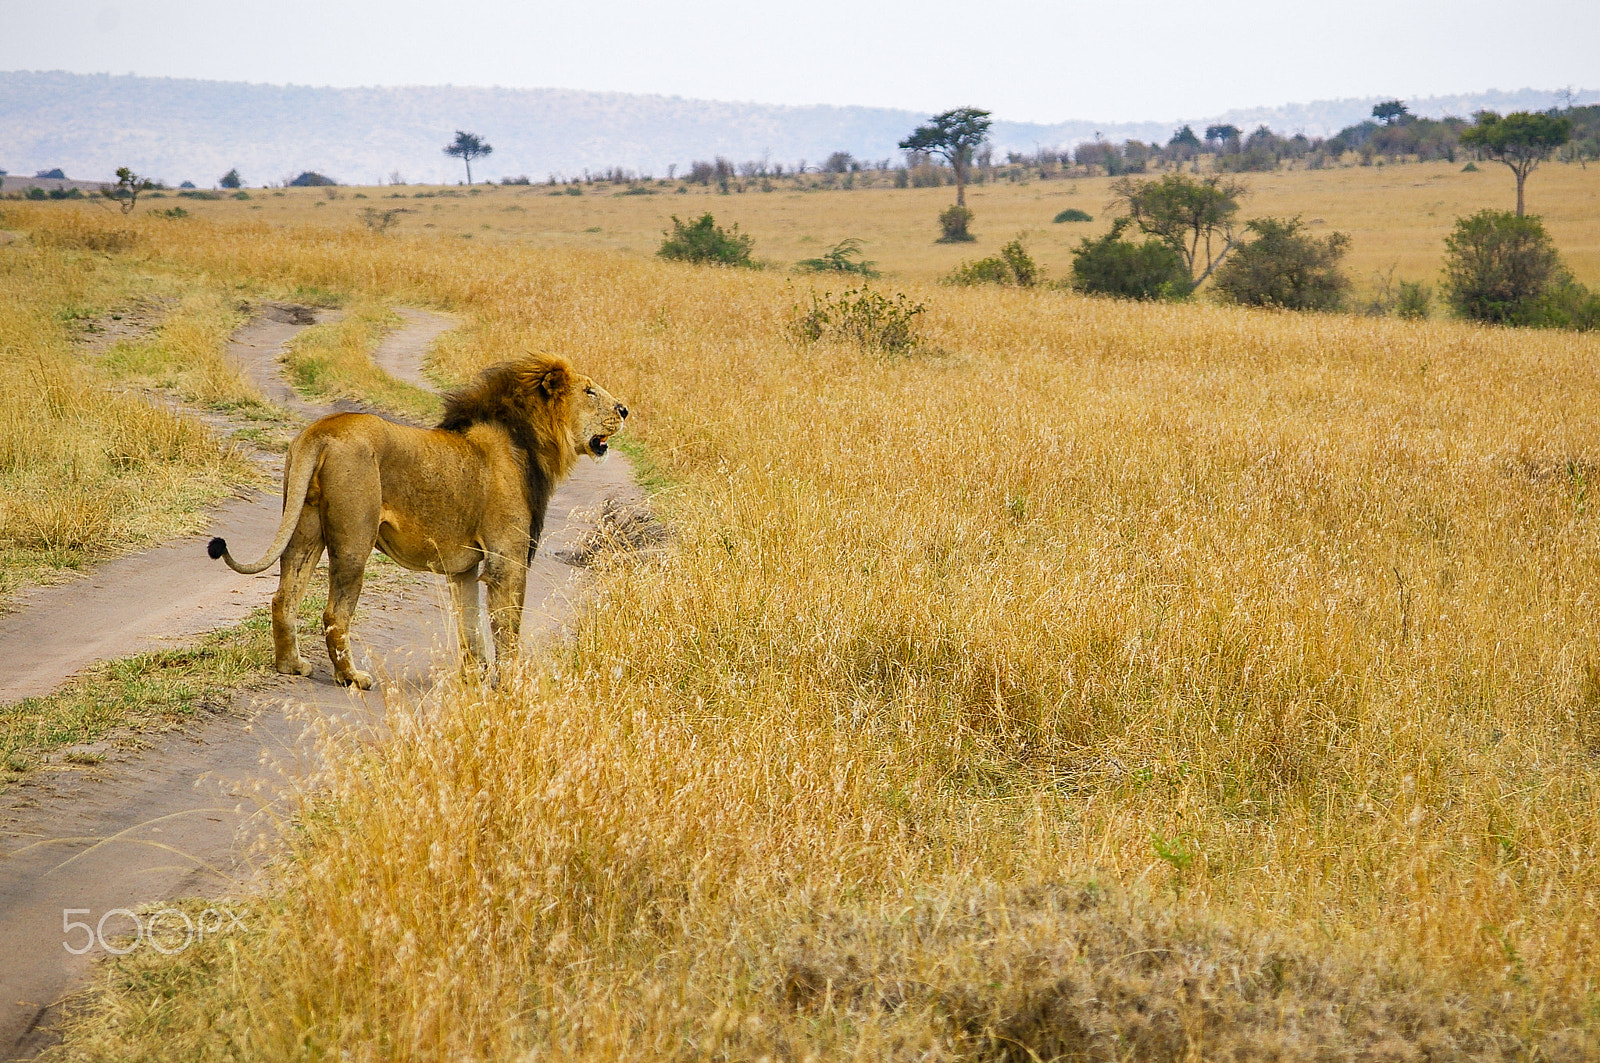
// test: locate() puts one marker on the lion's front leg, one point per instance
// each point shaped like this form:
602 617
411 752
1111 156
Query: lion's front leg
506 577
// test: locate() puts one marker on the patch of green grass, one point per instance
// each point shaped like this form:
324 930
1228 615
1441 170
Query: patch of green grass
335 361
144 691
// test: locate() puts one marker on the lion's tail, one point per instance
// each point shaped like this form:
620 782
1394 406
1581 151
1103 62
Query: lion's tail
296 482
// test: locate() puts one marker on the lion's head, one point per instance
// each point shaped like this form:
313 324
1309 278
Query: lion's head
599 416
552 412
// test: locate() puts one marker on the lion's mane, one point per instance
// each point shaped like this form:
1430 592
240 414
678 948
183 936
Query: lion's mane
530 398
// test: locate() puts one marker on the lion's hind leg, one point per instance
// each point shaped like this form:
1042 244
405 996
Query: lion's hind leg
464 590
295 568
350 537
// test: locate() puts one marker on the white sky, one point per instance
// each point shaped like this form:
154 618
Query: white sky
1113 61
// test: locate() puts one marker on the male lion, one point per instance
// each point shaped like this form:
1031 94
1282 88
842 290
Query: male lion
467 499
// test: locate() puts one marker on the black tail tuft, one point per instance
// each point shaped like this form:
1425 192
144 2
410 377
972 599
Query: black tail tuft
217 547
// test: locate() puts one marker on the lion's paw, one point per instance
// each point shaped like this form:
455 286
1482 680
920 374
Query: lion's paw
298 666
359 680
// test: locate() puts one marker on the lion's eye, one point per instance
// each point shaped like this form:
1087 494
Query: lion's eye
588 391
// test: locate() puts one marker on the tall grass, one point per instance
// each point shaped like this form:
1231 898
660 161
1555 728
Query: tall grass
85 471
1276 629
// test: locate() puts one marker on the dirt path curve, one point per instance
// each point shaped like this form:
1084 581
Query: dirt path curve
402 352
186 814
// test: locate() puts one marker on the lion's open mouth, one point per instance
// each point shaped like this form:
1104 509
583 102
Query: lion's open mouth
598 446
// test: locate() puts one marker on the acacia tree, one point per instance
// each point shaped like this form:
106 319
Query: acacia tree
466 147
1188 215
1521 140
1391 112
954 136
1225 136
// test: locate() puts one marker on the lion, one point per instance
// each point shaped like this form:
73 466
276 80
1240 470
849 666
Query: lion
466 499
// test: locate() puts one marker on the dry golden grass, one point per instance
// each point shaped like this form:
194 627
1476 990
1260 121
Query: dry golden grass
86 472
1278 628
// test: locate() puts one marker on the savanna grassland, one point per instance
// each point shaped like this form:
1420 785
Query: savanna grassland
1098 681
1397 216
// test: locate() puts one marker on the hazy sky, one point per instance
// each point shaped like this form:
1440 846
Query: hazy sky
1113 61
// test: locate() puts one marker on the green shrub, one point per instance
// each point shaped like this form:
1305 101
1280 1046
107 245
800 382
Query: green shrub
171 212
842 257
1285 266
1073 214
1413 300
862 316
1470 167
1568 304
37 193
1111 265
953 224
1013 265
1500 268
984 271
705 241
241 195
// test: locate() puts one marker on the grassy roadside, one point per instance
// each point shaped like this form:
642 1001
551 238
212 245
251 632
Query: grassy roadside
86 470
119 698
1276 628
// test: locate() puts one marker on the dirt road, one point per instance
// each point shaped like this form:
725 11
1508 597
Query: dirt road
186 814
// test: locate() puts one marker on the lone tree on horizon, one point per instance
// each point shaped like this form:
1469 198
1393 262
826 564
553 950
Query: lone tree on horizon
1391 112
954 135
466 147
128 187
1521 140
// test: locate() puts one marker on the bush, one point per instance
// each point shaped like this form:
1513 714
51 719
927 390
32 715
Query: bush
983 271
1413 300
842 257
953 224
231 179
1073 214
705 241
1287 267
1500 268
864 317
1111 265
1569 304
312 179
1013 265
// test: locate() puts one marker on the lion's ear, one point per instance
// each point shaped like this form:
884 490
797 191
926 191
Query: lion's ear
555 381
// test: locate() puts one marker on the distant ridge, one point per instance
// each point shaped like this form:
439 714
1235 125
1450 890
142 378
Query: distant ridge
176 130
